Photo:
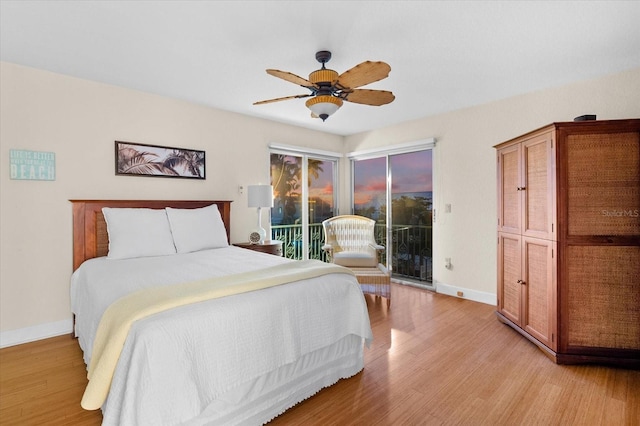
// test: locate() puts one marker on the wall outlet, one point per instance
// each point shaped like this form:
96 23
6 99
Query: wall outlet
447 208
447 263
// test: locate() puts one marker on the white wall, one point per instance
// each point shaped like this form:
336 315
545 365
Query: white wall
79 120
465 167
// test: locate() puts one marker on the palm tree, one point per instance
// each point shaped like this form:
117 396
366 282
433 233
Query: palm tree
132 161
286 173
285 178
314 168
191 161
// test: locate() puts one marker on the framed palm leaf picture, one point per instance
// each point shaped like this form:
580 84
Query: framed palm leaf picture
136 159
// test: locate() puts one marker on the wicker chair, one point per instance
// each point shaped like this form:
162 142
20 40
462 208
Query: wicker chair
350 242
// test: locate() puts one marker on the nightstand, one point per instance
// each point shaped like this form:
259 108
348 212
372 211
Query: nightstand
270 247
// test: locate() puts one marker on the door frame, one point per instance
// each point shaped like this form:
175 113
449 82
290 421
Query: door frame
305 154
387 152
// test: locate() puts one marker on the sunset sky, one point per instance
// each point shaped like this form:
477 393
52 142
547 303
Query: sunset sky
412 173
323 186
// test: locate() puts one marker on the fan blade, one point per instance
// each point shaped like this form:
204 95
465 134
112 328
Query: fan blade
364 73
292 78
370 97
268 101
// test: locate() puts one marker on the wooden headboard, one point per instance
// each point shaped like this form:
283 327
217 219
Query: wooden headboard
90 238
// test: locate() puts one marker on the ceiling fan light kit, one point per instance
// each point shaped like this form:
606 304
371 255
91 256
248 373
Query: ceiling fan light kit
329 89
322 106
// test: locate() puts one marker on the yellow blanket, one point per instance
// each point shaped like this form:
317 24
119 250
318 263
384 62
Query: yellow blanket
117 320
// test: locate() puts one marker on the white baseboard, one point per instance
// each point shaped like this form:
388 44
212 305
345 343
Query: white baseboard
36 332
475 295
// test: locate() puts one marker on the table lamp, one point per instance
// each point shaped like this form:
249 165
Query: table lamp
259 196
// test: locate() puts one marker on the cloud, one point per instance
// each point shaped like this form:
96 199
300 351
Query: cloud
376 184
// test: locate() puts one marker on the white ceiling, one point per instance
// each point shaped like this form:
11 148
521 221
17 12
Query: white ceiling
443 55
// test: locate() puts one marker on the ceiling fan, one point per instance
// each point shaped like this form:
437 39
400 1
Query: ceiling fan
329 90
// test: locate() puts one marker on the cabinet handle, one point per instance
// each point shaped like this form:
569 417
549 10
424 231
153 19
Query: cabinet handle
520 282
521 188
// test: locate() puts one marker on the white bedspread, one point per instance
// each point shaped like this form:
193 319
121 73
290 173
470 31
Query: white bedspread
176 363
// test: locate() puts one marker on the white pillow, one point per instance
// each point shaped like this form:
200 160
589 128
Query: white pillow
138 233
197 229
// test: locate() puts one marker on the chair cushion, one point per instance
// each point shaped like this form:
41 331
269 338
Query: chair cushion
354 259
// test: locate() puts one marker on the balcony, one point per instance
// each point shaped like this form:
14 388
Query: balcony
411 247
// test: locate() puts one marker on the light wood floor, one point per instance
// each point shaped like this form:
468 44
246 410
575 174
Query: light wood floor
435 360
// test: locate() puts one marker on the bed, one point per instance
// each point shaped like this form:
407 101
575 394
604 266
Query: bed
228 358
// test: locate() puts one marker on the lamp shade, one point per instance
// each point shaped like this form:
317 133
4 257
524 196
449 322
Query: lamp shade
324 105
260 195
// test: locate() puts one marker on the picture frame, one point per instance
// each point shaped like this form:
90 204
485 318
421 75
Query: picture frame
138 159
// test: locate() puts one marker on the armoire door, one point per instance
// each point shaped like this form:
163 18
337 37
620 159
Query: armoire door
537 187
539 286
509 193
510 276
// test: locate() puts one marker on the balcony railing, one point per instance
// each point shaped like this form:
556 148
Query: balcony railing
291 237
411 252
411 247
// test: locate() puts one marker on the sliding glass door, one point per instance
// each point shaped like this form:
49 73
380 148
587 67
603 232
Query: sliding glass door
370 195
304 196
396 190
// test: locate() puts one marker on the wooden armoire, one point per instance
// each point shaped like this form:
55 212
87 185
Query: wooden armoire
569 240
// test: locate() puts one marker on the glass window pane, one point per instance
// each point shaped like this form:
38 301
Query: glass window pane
370 195
321 203
412 202
370 188
286 214
286 174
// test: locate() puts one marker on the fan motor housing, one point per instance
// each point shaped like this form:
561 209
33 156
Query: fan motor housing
323 76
